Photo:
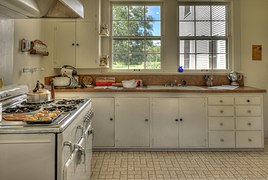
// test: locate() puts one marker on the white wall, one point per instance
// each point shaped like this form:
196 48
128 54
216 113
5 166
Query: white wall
30 29
6 50
254 31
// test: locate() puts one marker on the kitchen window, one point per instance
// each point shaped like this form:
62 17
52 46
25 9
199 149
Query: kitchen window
203 36
136 36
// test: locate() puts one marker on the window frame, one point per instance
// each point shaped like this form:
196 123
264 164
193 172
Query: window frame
161 37
228 36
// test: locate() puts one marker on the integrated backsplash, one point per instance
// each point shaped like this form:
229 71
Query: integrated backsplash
198 80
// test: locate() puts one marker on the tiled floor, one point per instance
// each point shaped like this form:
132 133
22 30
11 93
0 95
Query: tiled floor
180 165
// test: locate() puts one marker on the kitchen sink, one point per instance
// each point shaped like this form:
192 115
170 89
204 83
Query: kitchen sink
176 87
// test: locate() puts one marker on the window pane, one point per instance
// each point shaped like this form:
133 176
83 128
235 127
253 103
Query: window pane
120 12
120 46
187 46
136 28
219 13
186 28
218 29
202 12
219 61
202 28
187 61
202 46
136 61
153 46
202 61
220 46
120 28
153 61
152 28
136 13
152 13
136 45
120 61
186 13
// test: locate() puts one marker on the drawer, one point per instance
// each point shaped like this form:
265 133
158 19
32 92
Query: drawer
220 111
220 100
248 111
249 139
221 139
221 123
248 123
248 100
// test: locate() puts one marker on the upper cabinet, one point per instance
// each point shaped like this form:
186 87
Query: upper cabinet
76 44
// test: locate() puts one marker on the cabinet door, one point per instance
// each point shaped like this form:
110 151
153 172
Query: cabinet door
165 122
193 123
87 48
65 44
132 122
103 122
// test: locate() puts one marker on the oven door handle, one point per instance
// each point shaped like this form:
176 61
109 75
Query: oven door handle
69 144
81 150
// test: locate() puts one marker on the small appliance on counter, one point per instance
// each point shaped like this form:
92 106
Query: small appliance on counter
234 77
68 78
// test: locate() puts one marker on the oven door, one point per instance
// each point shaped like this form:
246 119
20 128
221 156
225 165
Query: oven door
75 167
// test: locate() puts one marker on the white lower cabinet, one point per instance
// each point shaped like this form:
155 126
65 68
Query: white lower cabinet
164 120
132 126
103 122
179 122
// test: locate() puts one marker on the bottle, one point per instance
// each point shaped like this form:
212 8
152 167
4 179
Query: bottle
180 69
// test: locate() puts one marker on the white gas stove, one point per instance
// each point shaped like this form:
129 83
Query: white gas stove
54 150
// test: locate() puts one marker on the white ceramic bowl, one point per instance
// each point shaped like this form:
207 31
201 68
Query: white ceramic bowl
61 81
129 83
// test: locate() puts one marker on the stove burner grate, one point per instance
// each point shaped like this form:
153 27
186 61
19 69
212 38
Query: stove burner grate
70 101
22 109
61 108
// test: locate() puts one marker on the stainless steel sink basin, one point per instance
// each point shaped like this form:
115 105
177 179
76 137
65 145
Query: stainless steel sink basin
176 87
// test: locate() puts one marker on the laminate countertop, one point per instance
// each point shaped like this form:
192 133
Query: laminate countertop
175 89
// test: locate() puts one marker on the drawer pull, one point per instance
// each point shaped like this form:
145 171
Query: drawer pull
111 119
249 124
221 111
221 101
222 140
221 124
146 120
248 101
249 111
249 140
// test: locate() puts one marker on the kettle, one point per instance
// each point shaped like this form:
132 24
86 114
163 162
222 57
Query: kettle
234 77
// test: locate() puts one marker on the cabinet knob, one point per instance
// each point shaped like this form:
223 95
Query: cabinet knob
72 44
249 124
77 44
176 120
111 119
221 101
248 100
181 119
222 140
221 111
249 111
146 120
221 124
249 139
